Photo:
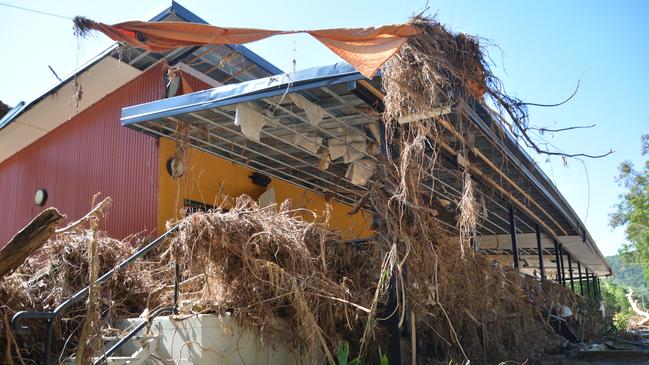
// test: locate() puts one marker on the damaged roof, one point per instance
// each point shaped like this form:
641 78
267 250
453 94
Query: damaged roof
350 106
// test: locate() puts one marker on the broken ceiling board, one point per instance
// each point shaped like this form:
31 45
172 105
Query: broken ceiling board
282 152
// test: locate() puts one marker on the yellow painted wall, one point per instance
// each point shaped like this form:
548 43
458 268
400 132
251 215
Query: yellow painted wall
210 180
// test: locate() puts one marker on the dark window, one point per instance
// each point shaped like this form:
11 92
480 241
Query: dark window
193 206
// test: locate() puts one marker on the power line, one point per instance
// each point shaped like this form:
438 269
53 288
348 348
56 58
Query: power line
35 11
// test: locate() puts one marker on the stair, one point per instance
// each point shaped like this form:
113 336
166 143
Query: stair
137 350
202 339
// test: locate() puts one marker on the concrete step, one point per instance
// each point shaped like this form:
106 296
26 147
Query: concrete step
139 354
136 337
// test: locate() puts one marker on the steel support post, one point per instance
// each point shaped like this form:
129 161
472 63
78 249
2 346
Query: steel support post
512 231
563 266
539 248
557 260
572 280
581 283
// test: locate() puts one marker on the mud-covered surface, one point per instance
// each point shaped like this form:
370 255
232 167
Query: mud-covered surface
627 348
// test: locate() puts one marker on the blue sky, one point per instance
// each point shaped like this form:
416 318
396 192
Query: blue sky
544 47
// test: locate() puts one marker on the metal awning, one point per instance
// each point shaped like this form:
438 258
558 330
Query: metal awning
351 107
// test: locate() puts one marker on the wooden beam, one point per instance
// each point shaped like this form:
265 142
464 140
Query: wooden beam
372 89
495 168
504 192
29 239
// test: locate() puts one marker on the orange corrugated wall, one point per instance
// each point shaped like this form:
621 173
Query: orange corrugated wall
209 172
90 153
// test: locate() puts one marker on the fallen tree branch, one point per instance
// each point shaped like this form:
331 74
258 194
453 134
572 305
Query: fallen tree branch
543 129
553 105
97 210
636 309
518 117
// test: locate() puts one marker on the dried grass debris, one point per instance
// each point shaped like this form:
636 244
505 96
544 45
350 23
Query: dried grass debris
58 271
265 266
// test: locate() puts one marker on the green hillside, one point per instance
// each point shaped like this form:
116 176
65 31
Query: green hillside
627 274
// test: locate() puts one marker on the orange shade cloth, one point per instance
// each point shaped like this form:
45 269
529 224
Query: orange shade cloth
367 49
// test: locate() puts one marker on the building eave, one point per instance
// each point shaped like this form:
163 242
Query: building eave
195 107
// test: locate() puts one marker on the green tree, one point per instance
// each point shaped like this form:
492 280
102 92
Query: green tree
627 274
617 306
633 211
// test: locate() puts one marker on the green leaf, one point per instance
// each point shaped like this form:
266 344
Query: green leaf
383 358
632 211
343 354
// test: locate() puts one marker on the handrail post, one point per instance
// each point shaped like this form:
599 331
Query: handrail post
47 350
176 286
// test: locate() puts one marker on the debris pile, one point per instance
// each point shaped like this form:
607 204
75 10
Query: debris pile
280 275
293 281
462 307
57 272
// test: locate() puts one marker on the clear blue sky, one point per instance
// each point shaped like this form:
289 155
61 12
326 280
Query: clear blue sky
546 47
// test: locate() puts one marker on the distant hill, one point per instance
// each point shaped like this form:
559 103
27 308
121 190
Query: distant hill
627 275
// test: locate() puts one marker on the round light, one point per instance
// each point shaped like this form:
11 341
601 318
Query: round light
40 197
175 167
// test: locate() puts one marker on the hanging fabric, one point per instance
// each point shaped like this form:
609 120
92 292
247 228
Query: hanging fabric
367 49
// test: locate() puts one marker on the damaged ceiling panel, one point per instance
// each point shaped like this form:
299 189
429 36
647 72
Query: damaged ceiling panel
320 129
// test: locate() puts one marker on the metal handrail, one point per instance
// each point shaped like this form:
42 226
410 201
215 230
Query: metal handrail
50 316
130 335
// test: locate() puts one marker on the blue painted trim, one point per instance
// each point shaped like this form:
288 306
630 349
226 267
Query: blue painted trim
11 114
245 91
184 13
163 14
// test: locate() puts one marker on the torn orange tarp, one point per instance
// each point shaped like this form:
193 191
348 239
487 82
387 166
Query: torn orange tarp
364 48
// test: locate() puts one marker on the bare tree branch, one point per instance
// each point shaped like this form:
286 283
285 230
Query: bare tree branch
549 130
551 153
55 74
553 105
518 115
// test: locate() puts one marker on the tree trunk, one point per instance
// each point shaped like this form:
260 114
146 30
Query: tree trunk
636 309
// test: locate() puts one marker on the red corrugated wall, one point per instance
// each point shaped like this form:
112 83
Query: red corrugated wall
90 153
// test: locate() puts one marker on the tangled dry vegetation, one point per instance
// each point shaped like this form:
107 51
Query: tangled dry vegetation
292 279
265 266
55 273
